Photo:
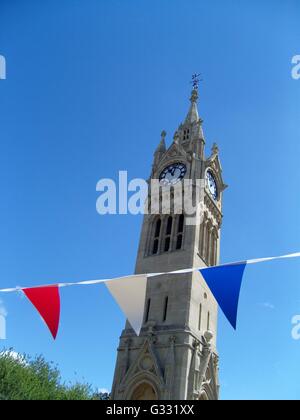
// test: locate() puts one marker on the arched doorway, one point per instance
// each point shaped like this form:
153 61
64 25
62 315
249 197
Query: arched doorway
203 396
144 391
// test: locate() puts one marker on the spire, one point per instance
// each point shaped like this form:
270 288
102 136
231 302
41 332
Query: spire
161 148
193 115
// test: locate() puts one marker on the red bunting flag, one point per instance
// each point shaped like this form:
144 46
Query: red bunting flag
47 302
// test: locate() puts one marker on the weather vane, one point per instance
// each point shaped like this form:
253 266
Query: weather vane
195 80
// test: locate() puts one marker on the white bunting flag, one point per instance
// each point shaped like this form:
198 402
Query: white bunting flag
130 294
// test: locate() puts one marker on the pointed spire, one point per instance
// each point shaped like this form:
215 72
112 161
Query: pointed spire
161 148
193 115
215 149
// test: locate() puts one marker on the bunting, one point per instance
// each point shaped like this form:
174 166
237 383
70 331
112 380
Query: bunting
46 300
129 292
225 284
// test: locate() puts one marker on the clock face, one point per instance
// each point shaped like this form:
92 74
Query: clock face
172 174
211 184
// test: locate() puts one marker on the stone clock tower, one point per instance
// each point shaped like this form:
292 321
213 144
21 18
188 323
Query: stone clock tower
175 356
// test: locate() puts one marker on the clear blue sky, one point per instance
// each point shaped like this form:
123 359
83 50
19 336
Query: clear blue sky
90 85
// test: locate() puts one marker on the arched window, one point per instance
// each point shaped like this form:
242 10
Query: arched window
202 245
216 250
168 234
180 232
181 223
169 226
211 251
186 134
214 245
208 243
157 228
156 236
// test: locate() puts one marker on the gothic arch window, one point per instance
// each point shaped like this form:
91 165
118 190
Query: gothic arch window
179 236
157 230
181 223
208 321
214 247
166 234
186 134
167 242
208 241
202 244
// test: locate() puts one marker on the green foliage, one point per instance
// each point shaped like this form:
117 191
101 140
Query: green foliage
24 378
101 396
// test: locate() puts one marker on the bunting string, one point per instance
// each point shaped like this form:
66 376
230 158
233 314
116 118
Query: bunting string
129 292
182 271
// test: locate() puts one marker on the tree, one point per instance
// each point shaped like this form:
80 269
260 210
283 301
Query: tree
25 378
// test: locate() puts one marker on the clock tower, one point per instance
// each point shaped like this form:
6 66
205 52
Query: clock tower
175 355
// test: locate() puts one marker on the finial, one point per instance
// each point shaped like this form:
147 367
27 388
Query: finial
176 137
215 149
194 97
195 81
161 148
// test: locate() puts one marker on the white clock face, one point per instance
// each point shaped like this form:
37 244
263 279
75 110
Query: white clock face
211 184
172 174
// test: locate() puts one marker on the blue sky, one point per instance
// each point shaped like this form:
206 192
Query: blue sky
90 86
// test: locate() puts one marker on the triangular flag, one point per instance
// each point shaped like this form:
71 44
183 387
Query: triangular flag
225 284
130 295
47 302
